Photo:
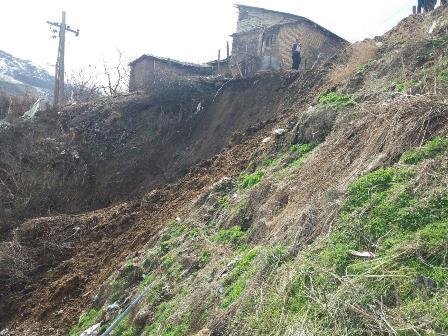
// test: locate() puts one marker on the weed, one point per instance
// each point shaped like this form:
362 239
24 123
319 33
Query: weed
205 257
237 279
365 66
302 150
124 329
147 278
429 49
85 321
194 232
276 255
168 239
405 86
247 181
224 202
335 101
444 75
130 263
234 236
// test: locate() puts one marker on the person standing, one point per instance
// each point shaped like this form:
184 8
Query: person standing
296 54
431 4
422 6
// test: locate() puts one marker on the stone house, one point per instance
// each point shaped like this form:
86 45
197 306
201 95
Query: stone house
264 39
151 73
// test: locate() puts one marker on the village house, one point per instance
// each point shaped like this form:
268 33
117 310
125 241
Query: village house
264 39
152 73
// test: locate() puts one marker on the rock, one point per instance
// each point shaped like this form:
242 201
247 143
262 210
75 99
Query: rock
113 307
279 131
265 140
204 332
92 331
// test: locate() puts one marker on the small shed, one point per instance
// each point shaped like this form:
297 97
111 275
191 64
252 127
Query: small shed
153 73
264 39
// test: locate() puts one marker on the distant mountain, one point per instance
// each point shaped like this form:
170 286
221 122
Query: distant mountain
18 76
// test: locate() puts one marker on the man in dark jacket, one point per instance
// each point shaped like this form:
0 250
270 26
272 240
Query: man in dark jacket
422 6
431 4
296 57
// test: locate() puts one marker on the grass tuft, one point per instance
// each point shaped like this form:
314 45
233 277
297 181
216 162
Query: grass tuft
431 149
335 101
250 180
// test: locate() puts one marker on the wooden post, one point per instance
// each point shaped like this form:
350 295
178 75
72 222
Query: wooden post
414 9
219 60
60 68
61 60
228 50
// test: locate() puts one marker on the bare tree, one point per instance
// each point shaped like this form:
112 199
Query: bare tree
84 85
90 83
116 75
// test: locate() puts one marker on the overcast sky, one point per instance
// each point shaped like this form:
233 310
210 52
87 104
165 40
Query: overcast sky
190 30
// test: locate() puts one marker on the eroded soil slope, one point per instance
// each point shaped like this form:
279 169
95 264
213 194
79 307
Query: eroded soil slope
262 237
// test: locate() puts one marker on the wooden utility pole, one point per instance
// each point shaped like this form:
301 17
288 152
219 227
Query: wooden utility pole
219 61
59 72
228 51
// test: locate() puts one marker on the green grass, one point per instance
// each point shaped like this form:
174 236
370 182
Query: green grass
234 236
224 202
335 101
162 324
85 321
247 181
235 283
429 150
124 329
444 75
405 86
302 150
333 292
205 257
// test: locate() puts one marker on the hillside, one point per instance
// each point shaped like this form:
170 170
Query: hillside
311 203
18 76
